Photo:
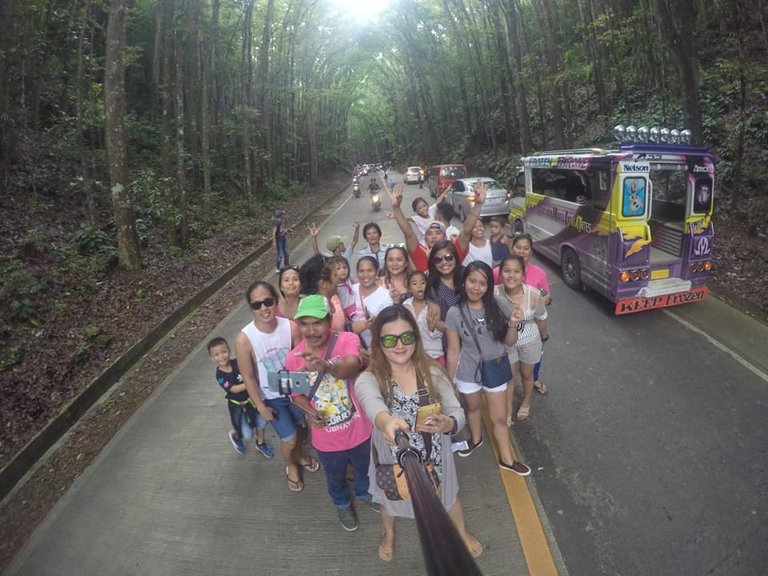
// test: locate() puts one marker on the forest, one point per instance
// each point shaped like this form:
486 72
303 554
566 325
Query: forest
131 132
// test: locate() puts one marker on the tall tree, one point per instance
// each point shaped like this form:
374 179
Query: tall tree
114 104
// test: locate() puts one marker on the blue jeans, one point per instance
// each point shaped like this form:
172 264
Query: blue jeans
287 418
282 252
335 466
244 418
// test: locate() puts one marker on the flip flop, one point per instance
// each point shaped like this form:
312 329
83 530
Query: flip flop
293 485
523 413
540 387
312 466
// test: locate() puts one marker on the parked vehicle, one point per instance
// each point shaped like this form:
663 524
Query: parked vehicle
412 175
461 195
633 223
441 176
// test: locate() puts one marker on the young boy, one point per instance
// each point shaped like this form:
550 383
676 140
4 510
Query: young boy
280 239
242 413
499 245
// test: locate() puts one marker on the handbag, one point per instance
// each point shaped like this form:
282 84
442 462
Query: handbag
489 373
391 477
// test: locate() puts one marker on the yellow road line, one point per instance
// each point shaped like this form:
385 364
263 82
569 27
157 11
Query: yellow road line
538 555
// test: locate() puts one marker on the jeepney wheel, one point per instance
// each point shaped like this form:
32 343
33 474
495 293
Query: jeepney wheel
571 269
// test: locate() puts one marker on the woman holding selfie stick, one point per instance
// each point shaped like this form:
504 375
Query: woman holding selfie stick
399 374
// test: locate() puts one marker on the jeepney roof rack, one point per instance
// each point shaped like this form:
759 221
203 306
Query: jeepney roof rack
571 151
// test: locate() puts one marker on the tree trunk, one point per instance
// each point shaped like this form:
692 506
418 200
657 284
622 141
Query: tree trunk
114 104
676 28
181 180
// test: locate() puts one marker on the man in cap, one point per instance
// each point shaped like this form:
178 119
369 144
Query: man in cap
341 432
335 244
435 231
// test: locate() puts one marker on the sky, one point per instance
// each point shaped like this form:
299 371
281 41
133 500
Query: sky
361 10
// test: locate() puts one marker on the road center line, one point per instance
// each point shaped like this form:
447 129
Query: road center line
719 345
538 555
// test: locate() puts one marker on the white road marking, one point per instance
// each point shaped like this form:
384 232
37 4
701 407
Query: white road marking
719 345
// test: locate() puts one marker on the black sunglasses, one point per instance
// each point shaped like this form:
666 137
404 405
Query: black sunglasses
443 258
268 302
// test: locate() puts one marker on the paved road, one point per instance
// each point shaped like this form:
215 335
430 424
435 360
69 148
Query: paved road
168 496
650 451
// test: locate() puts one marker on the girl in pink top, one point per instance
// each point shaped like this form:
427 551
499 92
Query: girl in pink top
522 245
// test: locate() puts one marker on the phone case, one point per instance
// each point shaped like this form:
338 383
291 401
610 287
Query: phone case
287 383
425 412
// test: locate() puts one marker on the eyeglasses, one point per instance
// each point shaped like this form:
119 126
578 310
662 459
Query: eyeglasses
444 258
390 340
286 268
257 304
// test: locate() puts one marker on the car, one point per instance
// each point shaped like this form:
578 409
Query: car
461 195
412 175
440 176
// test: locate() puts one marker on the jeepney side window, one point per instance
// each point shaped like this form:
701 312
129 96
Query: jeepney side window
551 183
518 185
633 197
702 195
597 184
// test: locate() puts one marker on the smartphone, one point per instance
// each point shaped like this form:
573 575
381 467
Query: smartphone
424 413
286 383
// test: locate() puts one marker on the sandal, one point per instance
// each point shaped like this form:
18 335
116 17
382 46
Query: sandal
523 413
293 485
385 554
313 465
540 387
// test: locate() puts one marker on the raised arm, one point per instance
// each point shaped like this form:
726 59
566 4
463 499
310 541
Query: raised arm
396 197
313 231
466 232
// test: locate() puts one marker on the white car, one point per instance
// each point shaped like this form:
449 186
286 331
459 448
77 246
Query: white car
412 175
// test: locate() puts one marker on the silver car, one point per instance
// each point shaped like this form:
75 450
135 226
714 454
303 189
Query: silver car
461 195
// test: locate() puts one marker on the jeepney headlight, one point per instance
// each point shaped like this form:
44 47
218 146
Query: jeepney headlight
685 136
674 136
707 265
645 274
654 134
635 275
642 134
664 135
624 276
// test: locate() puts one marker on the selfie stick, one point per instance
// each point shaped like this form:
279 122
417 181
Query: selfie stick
445 553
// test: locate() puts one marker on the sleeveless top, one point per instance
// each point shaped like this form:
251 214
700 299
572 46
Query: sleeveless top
269 351
482 253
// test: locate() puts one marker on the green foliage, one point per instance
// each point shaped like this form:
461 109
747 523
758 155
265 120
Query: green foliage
18 281
90 239
33 244
10 356
23 310
84 266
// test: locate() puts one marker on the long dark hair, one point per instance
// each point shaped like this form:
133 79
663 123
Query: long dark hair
494 317
433 278
309 273
405 255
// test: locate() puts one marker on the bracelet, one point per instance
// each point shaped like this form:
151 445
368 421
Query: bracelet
545 338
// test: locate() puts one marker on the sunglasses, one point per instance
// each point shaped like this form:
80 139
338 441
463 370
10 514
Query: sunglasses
286 268
443 258
257 304
390 340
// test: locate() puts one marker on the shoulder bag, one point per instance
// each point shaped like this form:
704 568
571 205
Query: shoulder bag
489 373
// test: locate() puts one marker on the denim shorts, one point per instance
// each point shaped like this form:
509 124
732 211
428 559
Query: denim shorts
287 418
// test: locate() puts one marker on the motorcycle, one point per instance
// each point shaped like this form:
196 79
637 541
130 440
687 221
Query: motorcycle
375 200
356 189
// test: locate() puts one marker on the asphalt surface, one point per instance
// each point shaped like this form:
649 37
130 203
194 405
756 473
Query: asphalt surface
650 451
169 496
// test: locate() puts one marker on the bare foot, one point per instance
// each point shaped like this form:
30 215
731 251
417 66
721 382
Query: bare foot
473 545
387 546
